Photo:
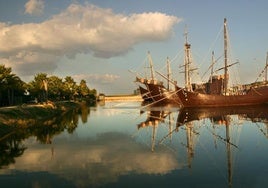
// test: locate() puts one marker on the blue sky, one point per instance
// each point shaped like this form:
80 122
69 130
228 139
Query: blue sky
100 40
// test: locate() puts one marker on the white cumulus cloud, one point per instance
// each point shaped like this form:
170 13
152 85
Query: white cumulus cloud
78 29
34 7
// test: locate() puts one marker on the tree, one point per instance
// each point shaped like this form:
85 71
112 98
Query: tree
83 89
70 88
42 88
55 88
12 87
37 86
86 94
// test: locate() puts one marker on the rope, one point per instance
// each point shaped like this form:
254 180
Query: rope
262 72
155 102
256 91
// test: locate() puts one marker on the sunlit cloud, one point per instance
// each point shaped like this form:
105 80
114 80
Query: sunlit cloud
78 29
34 7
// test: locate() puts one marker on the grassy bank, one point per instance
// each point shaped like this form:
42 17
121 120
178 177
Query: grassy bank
26 115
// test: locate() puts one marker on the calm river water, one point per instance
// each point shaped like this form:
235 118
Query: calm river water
122 144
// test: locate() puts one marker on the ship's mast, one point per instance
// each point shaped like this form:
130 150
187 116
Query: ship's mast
212 66
225 58
151 65
266 67
168 74
187 61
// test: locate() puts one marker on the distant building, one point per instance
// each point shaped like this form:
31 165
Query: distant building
101 97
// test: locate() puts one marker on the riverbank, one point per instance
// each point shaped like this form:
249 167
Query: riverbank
26 115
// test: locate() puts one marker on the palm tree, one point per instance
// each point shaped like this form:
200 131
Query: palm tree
37 87
11 86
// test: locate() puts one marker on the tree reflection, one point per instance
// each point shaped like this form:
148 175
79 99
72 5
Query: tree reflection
84 110
11 147
12 136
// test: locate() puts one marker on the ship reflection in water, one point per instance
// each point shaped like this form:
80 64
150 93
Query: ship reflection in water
129 145
223 127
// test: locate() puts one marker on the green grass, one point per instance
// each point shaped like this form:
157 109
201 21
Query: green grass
37 112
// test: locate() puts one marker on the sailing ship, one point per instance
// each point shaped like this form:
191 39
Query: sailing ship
154 90
218 94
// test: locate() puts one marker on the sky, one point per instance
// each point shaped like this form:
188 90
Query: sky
105 42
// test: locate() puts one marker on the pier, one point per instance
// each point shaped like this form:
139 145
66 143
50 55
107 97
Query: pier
123 98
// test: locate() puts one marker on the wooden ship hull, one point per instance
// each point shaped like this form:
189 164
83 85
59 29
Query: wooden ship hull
253 96
160 94
156 92
145 94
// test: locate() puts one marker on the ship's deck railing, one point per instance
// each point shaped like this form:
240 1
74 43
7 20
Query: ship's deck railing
148 81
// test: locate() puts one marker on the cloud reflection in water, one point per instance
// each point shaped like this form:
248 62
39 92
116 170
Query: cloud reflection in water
99 161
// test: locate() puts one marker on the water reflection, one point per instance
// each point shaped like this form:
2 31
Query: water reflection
153 119
193 121
252 113
224 116
125 145
12 136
